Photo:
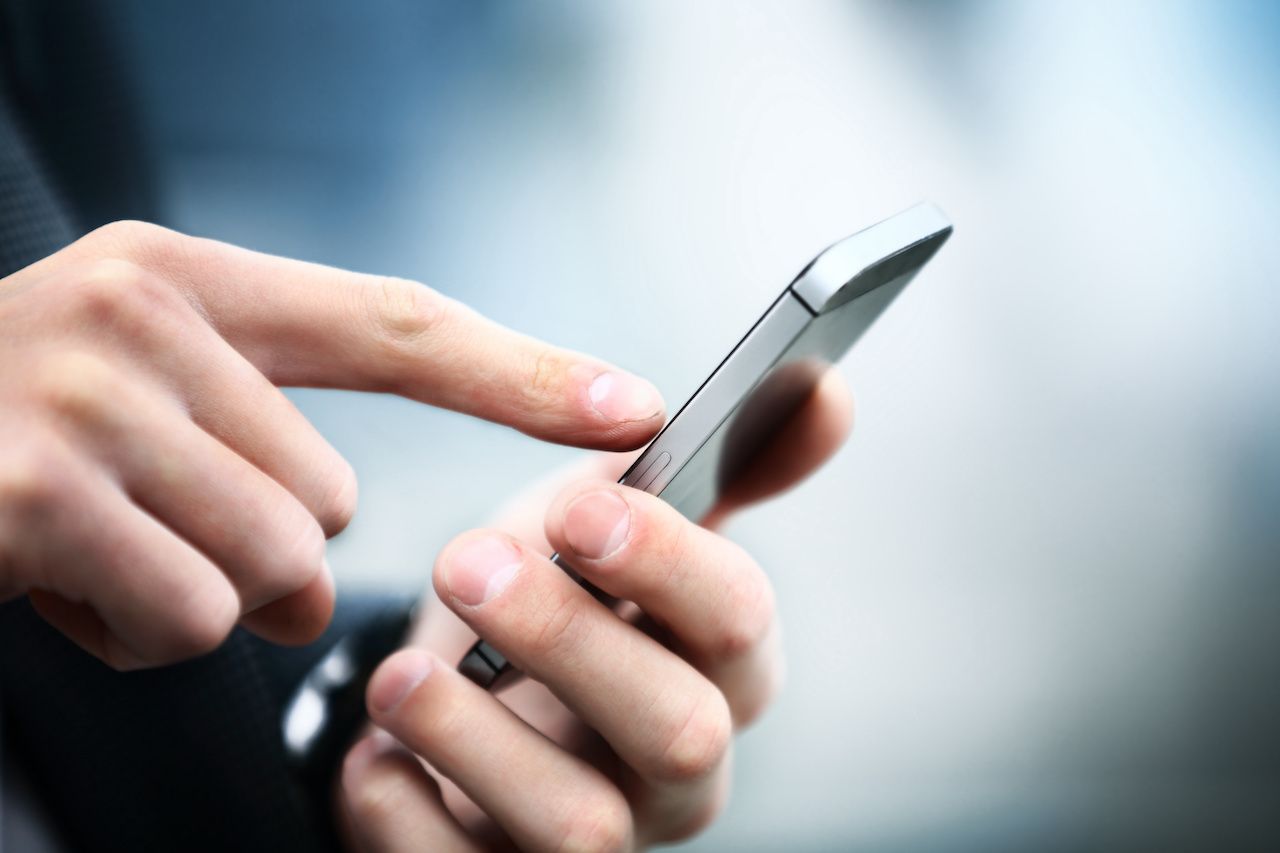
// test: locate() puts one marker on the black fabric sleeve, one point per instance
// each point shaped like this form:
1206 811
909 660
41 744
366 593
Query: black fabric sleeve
189 757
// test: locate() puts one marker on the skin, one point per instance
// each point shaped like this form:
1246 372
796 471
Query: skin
622 736
156 487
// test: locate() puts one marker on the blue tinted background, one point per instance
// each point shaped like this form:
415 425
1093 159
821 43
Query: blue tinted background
1034 602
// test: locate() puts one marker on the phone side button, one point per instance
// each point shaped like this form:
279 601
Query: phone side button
634 477
654 470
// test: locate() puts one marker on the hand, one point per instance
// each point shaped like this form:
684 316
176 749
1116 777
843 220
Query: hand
156 487
621 737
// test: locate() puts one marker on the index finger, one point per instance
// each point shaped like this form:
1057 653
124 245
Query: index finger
305 324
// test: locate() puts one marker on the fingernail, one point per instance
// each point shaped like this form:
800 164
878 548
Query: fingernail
623 397
397 678
481 569
596 524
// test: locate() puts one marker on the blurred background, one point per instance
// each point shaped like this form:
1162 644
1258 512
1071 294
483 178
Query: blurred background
1036 601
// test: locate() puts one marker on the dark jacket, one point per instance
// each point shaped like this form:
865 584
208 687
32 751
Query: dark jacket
189 757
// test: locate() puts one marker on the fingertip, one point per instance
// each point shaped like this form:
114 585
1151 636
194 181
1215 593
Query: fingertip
297 619
336 512
591 519
355 762
620 398
597 407
476 567
567 495
620 438
390 801
835 398
367 750
384 791
321 598
82 625
396 678
78 621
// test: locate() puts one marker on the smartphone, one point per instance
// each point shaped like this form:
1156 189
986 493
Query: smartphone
766 377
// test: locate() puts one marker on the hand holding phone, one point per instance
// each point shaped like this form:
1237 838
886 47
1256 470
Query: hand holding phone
766 377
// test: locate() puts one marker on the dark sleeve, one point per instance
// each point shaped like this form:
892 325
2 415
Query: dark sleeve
185 758
189 757
73 151
32 223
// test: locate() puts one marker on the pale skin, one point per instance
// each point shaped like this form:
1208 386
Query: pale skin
156 489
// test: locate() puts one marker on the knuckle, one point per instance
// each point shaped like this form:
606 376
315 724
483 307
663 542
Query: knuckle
698 744
39 479
114 277
548 376
203 630
402 311
77 385
121 230
129 238
31 478
602 824
118 294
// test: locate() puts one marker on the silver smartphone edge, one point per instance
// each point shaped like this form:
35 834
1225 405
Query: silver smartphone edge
836 276
828 281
